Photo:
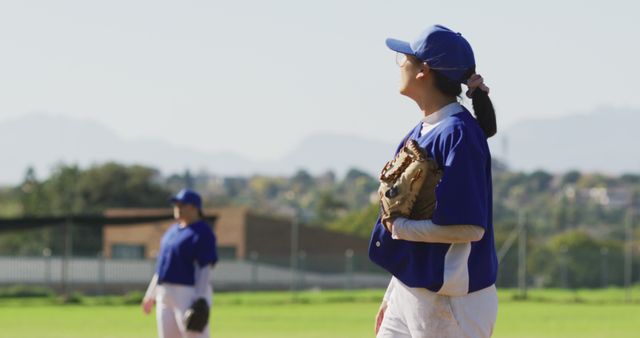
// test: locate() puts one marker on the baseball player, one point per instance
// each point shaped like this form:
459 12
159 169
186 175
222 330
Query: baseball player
444 268
187 254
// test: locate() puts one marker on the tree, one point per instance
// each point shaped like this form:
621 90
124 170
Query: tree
70 190
31 194
328 207
356 189
359 222
572 177
539 181
575 259
354 174
189 181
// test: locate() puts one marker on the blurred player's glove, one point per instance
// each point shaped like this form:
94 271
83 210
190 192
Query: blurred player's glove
407 185
197 316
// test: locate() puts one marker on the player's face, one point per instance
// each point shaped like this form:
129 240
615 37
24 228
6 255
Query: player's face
177 210
410 74
183 211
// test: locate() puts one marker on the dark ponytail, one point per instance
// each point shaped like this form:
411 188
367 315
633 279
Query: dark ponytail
482 106
484 112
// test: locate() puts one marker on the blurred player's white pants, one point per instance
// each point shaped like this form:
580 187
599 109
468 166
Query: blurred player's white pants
420 313
172 300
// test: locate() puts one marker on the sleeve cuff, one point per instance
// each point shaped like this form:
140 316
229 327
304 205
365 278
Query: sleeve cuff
398 229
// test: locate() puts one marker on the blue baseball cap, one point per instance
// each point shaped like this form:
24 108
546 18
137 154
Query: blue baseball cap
187 196
442 49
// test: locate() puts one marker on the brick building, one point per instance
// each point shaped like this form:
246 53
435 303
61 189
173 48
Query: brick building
241 234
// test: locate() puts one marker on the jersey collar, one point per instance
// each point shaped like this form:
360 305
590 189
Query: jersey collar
443 113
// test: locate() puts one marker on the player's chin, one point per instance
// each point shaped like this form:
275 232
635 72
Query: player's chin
404 88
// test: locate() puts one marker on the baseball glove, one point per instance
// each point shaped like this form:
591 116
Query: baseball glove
407 185
197 316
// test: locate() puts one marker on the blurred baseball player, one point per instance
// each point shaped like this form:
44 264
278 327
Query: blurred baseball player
180 287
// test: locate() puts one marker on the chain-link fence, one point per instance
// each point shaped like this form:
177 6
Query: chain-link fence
98 275
71 259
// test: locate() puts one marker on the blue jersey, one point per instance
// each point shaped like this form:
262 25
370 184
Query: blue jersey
181 249
463 196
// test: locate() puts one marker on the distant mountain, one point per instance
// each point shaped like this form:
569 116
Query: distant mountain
43 140
337 152
605 140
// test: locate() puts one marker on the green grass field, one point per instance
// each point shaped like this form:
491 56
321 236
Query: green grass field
550 313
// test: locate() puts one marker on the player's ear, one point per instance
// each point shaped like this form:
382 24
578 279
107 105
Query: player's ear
423 71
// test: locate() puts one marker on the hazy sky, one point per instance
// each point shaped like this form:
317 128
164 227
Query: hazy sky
255 77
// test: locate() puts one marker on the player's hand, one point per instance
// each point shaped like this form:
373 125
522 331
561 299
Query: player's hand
380 315
147 305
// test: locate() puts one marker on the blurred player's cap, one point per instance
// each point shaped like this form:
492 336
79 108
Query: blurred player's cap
187 196
442 49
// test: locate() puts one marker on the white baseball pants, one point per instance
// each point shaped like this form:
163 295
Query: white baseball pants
420 313
172 300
